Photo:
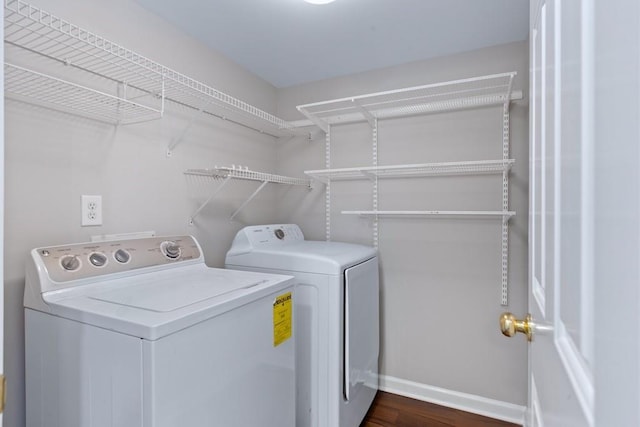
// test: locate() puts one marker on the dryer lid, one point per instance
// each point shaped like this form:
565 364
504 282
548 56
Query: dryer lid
301 256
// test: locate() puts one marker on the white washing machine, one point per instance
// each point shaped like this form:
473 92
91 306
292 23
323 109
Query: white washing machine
141 333
337 321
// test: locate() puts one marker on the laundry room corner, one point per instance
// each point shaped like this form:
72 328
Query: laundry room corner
440 278
320 213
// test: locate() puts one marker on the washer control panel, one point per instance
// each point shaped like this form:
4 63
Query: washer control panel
80 261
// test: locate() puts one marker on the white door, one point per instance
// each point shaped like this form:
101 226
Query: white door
584 242
561 385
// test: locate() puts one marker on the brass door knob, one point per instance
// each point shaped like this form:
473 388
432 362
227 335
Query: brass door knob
509 325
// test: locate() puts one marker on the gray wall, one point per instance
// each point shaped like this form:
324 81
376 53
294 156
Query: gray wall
440 277
53 158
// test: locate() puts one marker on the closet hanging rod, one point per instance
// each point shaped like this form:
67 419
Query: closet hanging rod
154 94
139 88
31 86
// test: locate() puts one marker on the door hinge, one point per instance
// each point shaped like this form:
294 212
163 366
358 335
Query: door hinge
3 392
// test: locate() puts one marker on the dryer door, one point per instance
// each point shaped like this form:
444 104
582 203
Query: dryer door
361 328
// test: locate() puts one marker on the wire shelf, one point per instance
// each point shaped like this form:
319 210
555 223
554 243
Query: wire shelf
455 95
37 31
30 86
504 215
226 174
413 170
219 173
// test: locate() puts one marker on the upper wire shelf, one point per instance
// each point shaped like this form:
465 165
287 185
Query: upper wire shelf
37 31
30 86
454 95
414 170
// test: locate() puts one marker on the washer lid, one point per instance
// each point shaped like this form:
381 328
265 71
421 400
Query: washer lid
163 295
156 304
302 256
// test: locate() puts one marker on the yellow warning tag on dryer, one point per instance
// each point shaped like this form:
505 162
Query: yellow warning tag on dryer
282 315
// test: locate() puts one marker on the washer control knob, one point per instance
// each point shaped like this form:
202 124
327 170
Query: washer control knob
170 249
70 262
279 233
122 256
98 259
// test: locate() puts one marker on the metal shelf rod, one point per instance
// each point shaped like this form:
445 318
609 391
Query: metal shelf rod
505 215
41 89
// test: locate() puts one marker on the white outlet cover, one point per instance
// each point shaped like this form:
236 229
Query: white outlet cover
91 211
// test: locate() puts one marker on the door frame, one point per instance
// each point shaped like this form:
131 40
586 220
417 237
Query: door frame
617 212
2 192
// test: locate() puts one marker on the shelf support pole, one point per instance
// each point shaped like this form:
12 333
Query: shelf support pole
327 189
215 193
504 297
374 143
246 202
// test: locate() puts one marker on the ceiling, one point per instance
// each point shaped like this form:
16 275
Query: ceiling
289 42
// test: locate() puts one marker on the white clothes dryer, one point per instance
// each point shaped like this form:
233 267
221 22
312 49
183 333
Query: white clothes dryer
141 333
337 321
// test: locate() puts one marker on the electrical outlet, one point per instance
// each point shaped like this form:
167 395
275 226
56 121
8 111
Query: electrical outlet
91 210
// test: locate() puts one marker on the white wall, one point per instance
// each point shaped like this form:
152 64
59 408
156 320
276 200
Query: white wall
440 278
53 158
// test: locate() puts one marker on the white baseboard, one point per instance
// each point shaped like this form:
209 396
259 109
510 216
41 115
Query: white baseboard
454 399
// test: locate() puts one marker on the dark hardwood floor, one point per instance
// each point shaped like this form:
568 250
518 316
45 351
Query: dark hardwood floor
390 410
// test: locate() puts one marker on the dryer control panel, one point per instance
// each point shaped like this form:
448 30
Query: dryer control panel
91 260
256 236
266 234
